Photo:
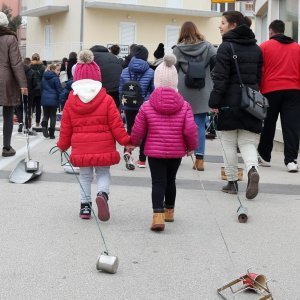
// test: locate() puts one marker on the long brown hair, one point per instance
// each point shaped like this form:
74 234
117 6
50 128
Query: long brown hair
189 34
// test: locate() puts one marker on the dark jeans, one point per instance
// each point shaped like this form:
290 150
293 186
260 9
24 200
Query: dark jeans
49 113
8 125
37 107
163 174
27 107
130 117
287 103
115 96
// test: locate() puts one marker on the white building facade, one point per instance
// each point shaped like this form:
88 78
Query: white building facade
57 27
268 10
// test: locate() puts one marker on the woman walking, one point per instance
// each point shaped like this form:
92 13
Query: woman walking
238 127
192 47
12 79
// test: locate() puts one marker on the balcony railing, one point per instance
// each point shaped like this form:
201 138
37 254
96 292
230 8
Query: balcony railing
34 4
38 8
181 4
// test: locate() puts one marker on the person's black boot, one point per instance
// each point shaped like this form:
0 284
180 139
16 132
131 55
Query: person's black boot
20 129
231 187
51 133
253 180
45 129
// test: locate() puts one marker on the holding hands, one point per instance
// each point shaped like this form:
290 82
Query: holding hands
129 147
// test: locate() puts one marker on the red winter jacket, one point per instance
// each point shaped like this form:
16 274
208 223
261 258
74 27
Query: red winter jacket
168 123
92 128
281 66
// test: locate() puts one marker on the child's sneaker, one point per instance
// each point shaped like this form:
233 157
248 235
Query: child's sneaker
129 161
103 209
141 164
85 211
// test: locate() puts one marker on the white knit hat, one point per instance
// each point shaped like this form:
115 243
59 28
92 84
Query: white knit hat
3 19
166 74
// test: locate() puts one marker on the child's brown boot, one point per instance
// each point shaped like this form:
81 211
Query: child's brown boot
158 223
169 214
199 165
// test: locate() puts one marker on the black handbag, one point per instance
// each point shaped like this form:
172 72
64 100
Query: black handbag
252 101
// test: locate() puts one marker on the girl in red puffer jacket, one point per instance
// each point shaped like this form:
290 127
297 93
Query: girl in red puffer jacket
167 122
91 124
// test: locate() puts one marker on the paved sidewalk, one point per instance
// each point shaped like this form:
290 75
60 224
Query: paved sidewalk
48 252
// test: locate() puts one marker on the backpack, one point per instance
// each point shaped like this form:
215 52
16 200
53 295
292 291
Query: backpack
31 81
132 93
37 76
195 74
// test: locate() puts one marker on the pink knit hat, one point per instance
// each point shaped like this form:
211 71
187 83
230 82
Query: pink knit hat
86 68
166 74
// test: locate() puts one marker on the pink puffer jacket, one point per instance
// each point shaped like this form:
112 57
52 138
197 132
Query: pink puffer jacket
167 122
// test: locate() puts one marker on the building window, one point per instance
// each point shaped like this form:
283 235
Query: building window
249 7
48 42
221 7
174 3
172 34
288 12
127 33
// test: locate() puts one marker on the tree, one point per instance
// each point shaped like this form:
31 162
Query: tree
14 22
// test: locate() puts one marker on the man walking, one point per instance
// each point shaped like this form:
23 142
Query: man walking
281 85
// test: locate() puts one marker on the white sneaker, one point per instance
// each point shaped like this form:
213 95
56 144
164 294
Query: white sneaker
292 167
263 163
71 169
129 161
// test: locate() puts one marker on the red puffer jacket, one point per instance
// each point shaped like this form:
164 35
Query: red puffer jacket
92 130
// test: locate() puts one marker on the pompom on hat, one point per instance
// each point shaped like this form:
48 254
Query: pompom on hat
160 51
3 19
86 68
165 74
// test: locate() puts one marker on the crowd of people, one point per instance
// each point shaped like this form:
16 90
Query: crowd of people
165 103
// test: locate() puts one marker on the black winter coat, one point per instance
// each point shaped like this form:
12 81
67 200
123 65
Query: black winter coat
31 81
226 94
110 67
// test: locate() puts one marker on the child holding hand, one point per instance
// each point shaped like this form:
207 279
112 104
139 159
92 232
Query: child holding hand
91 124
166 121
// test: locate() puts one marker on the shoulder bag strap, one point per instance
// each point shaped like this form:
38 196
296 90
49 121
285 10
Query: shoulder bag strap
236 65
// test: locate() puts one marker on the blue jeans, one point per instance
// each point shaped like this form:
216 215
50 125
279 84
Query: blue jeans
200 120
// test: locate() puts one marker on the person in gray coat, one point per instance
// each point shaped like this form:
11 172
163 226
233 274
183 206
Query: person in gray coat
12 80
190 45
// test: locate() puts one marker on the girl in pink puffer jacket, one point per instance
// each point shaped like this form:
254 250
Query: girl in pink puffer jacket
166 121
